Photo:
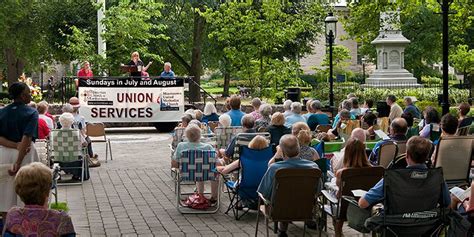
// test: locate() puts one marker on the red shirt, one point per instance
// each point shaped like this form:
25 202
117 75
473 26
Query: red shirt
49 116
84 73
43 130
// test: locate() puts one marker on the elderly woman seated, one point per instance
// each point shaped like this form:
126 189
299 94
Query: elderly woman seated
257 143
33 184
264 121
193 134
66 121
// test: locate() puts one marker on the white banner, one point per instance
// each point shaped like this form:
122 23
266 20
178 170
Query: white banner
131 100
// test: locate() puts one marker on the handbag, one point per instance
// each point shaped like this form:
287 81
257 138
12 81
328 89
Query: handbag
197 201
93 162
356 216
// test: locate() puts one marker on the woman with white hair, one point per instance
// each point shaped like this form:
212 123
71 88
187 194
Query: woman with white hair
287 108
295 115
225 121
265 120
193 134
66 120
210 113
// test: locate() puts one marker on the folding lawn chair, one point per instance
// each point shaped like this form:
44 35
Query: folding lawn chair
243 139
243 192
387 153
293 198
96 131
66 149
351 179
453 154
196 166
225 135
413 204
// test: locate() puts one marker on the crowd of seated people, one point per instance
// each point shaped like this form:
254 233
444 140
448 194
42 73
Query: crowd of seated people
293 126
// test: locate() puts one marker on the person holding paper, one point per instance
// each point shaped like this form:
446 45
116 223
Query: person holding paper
462 200
418 149
135 61
398 130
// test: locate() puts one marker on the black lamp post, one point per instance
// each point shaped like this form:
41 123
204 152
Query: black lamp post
42 69
331 22
445 11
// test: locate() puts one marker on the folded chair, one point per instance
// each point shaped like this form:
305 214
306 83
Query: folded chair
243 192
66 148
413 204
225 135
453 154
243 139
351 179
196 166
96 131
293 198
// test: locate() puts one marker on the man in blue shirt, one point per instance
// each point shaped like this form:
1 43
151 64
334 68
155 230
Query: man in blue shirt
411 108
418 149
290 148
295 115
235 113
398 130
167 73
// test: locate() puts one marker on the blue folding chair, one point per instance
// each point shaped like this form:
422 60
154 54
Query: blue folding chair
243 193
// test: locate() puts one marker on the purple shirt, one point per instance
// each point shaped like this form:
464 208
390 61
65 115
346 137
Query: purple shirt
35 220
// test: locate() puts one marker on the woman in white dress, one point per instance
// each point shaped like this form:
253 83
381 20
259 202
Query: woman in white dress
18 128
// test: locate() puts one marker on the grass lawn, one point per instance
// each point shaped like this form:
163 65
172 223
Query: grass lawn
219 90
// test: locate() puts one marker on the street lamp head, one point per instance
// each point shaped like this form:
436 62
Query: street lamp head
331 22
42 64
364 59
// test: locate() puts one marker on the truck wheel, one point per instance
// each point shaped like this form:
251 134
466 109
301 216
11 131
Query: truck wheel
165 126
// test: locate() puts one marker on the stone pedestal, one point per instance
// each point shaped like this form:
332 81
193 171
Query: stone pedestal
390 45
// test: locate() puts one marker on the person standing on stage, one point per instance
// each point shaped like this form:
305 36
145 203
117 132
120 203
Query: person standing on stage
135 61
167 72
84 72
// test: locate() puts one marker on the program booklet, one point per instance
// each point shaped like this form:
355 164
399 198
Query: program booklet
460 193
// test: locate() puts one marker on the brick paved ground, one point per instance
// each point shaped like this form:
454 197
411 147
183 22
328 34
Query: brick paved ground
134 195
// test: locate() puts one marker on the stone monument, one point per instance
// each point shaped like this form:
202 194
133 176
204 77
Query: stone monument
390 45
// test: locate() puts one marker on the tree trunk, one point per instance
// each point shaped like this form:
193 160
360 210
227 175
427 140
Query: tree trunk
14 66
226 83
196 64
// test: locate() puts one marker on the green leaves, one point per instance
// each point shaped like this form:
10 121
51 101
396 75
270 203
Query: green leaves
262 43
132 27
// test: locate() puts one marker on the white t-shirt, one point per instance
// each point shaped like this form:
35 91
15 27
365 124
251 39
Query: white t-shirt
48 121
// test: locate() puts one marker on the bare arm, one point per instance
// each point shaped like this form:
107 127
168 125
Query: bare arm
229 168
22 150
363 203
7 143
147 66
